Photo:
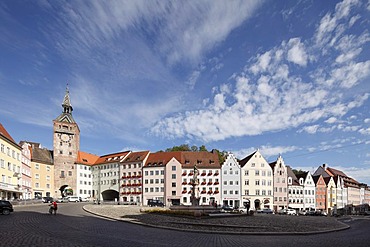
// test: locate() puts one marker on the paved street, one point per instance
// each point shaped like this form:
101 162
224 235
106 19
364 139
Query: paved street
32 226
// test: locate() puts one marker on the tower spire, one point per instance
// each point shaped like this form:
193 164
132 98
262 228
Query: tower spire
67 107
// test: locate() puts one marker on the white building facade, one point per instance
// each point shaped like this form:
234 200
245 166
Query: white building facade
231 186
256 182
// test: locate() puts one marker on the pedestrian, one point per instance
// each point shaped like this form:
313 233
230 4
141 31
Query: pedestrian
53 207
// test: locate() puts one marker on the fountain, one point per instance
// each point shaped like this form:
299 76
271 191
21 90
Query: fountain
195 208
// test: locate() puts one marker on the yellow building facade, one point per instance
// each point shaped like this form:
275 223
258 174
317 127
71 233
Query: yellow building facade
10 166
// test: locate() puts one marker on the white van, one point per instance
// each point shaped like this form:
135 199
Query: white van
74 199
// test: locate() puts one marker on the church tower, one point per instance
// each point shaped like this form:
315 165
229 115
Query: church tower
66 143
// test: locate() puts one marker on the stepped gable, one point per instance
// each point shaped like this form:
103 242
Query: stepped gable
6 135
162 158
203 160
111 158
86 158
42 155
140 156
246 159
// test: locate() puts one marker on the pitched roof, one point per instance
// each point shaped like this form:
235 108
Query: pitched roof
42 155
336 172
202 159
136 157
292 175
273 164
316 178
246 159
301 175
111 158
162 158
6 135
86 158
327 180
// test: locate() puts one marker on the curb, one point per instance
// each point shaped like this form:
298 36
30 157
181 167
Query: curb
345 227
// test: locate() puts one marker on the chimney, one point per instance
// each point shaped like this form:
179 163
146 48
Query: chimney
324 166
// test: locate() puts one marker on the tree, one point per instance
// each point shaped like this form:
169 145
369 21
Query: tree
203 148
183 147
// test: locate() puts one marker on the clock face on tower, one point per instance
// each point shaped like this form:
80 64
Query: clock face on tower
65 137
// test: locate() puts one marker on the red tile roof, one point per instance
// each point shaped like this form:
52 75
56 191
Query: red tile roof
136 157
162 158
111 158
203 160
86 158
5 134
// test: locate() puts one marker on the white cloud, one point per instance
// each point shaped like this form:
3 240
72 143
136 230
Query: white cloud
311 129
268 152
296 52
331 120
268 97
367 120
365 131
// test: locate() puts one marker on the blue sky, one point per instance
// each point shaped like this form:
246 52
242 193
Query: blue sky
287 77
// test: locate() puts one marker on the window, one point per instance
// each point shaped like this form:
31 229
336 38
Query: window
257 182
62 174
157 173
37 185
246 192
173 192
151 173
225 192
70 173
257 172
146 173
253 164
257 192
173 176
173 185
2 163
231 182
173 168
37 166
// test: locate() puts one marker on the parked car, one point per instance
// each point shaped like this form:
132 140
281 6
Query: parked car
84 199
316 213
281 211
62 199
290 211
74 199
226 208
265 211
242 210
5 207
47 199
155 203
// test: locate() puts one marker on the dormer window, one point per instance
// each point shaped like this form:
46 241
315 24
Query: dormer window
289 180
